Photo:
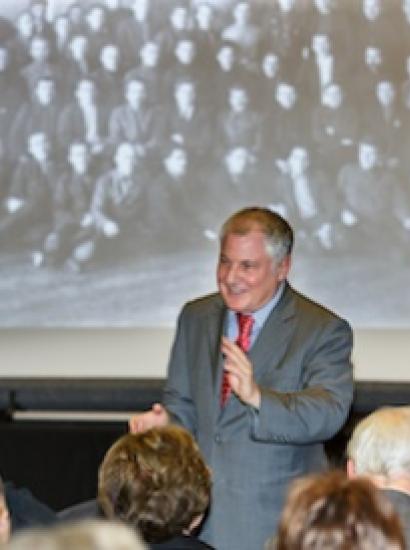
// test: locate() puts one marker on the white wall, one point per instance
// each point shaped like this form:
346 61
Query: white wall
114 353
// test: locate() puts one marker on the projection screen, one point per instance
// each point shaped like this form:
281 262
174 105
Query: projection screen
130 130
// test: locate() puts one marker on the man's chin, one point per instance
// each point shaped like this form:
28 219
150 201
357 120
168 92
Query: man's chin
235 303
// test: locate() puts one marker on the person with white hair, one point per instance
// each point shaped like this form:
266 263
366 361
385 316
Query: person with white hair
86 535
379 449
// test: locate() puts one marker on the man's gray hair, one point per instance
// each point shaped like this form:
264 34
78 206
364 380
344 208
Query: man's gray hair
278 233
380 443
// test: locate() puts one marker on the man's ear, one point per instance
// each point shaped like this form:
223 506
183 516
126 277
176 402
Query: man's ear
283 268
350 469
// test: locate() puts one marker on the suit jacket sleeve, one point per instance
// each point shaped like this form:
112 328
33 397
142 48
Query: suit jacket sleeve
313 407
177 396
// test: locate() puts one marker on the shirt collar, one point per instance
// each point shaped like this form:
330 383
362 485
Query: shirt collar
260 315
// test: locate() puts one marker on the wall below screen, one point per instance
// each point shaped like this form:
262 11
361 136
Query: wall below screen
143 353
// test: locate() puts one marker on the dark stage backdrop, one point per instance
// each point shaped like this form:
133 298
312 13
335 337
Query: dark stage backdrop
128 133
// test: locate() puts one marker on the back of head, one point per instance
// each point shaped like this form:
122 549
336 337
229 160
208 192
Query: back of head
329 511
86 535
380 443
156 480
278 233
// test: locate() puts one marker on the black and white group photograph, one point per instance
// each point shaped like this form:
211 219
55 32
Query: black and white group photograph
130 129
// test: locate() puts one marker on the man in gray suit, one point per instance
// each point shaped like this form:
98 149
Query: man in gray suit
379 449
290 392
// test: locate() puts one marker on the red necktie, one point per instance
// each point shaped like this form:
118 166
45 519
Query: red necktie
245 323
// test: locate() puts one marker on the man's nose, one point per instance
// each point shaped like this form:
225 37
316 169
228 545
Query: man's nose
232 274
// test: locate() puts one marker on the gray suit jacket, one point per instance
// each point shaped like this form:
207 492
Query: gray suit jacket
301 362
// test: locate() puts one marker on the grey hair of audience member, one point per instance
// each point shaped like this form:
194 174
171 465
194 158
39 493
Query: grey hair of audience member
277 231
380 443
85 535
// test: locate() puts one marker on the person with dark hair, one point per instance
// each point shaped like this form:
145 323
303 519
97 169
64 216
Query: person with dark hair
331 511
71 205
84 119
158 482
39 114
372 200
27 211
261 375
134 120
117 203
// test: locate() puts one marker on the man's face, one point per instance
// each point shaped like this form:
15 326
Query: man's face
332 96
62 26
176 163
236 161
204 16
371 9
270 65
78 157
178 18
241 13
135 93
25 24
286 96
78 46
39 49
45 91
323 6
373 57
321 44
95 18
226 58
247 276
185 95
150 54
385 93
286 5
238 99
109 57
185 51
38 146
367 156
298 161
85 91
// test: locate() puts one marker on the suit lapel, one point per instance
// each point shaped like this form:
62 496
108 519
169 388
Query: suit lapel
274 338
216 322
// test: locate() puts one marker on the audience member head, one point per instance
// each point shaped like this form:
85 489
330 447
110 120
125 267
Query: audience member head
379 448
156 481
329 511
86 535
